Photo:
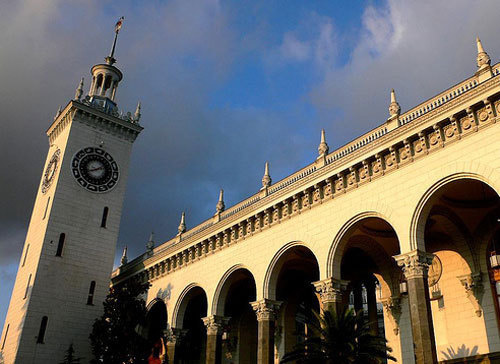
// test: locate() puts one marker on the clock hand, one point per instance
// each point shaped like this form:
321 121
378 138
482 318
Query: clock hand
96 169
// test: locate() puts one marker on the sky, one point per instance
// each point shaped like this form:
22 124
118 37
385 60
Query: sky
225 86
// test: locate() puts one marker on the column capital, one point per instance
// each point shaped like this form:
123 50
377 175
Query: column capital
330 289
414 264
215 324
266 309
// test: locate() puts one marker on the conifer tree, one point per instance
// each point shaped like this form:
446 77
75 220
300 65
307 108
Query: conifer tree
70 358
114 338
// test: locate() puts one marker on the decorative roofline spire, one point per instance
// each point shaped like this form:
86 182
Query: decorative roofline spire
483 59
151 243
394 108
323 148
266 179
220 207
182 225
79 90
124 259
137 115
111 59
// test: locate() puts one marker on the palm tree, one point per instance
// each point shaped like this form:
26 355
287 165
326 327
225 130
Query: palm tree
341 339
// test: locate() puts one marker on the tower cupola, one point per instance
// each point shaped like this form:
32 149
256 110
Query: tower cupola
105 78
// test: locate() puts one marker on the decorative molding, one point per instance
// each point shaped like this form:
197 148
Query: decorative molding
392 308
474 290
266 309
330 289
415 264
216 325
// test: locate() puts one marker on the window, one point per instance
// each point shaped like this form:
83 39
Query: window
104 217
25 254
60 245
90 298
41 332
5 336
27 288
46 208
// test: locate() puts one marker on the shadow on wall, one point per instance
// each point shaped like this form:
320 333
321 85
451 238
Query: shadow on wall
461 352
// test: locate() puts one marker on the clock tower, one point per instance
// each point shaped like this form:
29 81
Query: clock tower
68 255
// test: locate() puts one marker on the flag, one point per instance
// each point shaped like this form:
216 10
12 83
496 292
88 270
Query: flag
118 25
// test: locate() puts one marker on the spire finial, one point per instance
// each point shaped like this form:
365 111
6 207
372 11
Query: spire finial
394 108
124 259
151 243
79 90
137 115
111 59
483 59
323 147
220 207
182 225
266 179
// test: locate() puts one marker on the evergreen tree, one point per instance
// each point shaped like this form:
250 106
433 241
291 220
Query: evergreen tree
114 338
340 339
70 358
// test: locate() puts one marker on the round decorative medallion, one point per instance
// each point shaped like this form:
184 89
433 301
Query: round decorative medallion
435 271
418 147
376 167
483 116
403 155
95 169
362 174
50 171
498 107
466 124
388 160
433 140
449 132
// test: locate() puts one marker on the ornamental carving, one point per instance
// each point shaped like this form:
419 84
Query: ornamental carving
415 264
392 308
474 289
215 324
266 310
330 290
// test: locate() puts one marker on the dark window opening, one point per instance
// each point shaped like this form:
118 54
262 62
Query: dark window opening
90 298
5 336
46 208
41 333
60 245
25 255
27 288
104 217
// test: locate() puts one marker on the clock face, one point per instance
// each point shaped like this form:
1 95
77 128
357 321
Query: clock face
50 171
95 169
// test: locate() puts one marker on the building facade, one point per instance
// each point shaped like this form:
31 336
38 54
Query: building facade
403 221
406 216
68 255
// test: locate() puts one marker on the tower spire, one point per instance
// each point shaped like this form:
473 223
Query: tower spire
137 115
266 179
323 147
111 59
151 243
220 207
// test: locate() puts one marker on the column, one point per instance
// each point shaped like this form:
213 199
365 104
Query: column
215 327
331 291
266 312
371 300
357 291
415 266
173 337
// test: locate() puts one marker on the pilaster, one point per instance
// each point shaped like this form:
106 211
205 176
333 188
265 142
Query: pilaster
266 312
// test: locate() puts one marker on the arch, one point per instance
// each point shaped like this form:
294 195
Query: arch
336 250
271 277
221 291
422 210
180 306
154 301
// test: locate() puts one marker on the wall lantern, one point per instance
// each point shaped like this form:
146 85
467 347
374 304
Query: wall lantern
494 260
403 287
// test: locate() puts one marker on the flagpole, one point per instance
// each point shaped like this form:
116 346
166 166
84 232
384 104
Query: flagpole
112 53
